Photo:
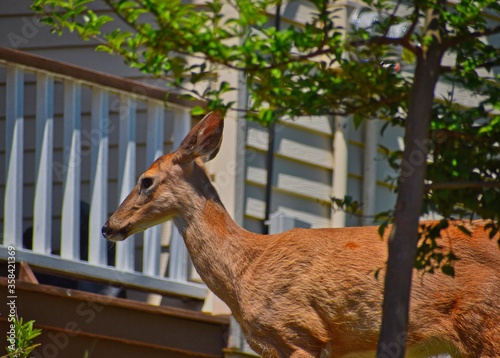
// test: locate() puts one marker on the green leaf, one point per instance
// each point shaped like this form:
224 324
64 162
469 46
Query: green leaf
24 335
197 111
382 227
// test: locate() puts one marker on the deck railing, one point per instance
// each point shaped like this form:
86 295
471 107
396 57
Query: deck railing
74 141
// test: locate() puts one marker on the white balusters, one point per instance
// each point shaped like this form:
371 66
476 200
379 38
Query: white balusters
152 236
42 210
126 173
179 257
50 171
99 175
14 131
70 217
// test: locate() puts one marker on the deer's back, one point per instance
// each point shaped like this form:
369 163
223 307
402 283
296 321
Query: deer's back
321 286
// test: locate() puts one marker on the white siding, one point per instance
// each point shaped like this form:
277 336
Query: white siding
24 32
302 174
303 171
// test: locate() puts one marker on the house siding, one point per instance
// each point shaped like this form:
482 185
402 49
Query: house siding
303 172
302 179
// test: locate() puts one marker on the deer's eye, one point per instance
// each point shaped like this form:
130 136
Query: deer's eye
146 183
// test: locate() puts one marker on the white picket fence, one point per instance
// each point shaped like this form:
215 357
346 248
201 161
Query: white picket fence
62 155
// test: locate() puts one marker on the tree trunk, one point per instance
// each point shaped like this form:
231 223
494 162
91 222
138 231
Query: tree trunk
404 235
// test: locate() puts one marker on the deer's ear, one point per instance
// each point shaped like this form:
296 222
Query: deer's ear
203 141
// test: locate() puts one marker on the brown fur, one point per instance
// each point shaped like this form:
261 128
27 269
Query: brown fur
313 292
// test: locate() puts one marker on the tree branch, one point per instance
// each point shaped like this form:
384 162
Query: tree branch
403 41
462 185
120 15
384 40
458 40
406 38
492 63
392 17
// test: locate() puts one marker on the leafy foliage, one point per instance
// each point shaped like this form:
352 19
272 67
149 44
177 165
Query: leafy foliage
184 45
322 68
430 255
24 336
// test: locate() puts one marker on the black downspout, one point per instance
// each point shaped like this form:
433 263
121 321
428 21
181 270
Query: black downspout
269 183
270 149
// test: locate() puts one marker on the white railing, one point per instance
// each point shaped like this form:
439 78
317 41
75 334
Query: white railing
84 143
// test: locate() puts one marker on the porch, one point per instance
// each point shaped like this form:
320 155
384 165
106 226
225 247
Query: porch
75 141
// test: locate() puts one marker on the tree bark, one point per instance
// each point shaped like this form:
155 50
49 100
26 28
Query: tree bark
404 235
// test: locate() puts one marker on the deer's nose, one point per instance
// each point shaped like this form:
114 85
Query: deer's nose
106 230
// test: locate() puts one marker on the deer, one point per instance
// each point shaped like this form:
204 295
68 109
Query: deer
312 292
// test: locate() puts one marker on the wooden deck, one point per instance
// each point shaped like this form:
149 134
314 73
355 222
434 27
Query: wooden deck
81 324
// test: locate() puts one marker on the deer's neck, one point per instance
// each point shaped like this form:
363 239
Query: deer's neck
221 250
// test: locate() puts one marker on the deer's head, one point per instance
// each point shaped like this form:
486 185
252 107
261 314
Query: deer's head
169 185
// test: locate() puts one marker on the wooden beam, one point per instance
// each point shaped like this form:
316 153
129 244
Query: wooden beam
26 273
74 321
96 77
